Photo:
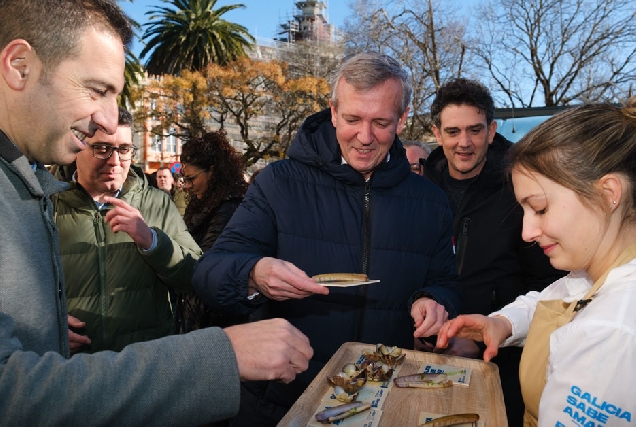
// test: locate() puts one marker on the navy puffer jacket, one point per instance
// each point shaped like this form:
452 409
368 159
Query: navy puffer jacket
310 210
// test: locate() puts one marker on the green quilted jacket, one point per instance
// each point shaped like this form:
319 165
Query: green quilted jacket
120 291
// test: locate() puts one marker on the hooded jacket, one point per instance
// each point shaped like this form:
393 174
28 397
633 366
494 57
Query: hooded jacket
321 215
494 264
119 290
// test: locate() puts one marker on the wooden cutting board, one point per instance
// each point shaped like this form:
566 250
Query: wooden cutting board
403 406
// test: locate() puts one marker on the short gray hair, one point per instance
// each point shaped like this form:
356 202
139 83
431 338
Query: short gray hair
423 145
366 70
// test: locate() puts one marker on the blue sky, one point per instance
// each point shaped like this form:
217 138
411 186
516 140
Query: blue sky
260 17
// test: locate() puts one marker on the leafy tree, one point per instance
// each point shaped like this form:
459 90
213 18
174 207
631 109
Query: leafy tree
175 105
191 34
257 100
264 102
133 70
133 74
293 101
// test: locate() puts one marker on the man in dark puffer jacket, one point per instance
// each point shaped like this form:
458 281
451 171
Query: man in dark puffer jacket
494 264
344 202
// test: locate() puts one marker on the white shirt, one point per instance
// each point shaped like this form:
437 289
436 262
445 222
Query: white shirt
591 373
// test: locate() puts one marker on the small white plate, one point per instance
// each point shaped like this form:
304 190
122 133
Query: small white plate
345 284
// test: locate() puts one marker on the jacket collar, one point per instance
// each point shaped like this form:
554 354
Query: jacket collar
39 182
316 145
493 171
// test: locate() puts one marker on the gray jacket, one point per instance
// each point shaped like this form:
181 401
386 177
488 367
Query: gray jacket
179 380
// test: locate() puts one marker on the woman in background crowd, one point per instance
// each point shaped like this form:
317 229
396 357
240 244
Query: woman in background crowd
575 178
212 171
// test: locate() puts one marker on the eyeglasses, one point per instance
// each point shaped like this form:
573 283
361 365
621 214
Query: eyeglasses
189 180
104 151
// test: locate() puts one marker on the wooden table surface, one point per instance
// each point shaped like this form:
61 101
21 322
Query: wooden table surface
403 405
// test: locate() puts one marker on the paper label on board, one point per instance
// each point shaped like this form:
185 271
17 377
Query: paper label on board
459 376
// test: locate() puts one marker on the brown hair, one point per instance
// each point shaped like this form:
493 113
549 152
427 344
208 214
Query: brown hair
579 146
213 150
54 27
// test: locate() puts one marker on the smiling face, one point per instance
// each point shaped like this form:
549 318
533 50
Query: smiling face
464 135
553 216
367 122
104 177
73 101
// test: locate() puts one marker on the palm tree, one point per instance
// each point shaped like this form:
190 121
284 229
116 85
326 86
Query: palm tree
192 35
132 71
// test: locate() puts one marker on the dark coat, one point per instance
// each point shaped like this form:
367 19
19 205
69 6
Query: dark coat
495 265
205 227
310 210
120 291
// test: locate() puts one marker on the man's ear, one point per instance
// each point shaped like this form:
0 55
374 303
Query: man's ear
334 113
18 63
492 130
437 133
402 121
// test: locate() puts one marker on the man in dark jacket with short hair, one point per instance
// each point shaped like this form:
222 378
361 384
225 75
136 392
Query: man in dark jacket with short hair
494 264
344 202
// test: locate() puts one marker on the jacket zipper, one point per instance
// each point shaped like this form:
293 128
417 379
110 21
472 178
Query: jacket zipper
462 241
366 254
101 255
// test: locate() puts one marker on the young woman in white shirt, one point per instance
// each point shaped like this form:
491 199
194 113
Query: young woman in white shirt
575 177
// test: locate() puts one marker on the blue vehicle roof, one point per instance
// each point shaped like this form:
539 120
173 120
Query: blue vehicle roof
514 129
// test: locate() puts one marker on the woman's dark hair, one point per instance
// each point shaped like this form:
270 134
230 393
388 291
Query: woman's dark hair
213 151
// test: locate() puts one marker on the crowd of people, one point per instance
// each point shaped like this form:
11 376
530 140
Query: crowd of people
111 285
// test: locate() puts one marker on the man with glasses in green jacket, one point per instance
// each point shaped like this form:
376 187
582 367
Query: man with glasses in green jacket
123 245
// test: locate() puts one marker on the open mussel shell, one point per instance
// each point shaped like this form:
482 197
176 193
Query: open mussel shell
349 385
350 380
377 371
343 396
392 356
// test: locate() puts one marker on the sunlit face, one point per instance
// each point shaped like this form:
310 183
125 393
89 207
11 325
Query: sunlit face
74 100
414 154
195 179
104 177
572 234
164 180
464 135
367 122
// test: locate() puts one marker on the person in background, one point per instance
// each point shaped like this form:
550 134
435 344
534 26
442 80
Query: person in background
574 177
180 194
61 69
165 180
213 173
344 202
123 245
416 154
494 264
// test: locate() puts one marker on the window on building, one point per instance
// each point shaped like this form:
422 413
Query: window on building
156 144
171 142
